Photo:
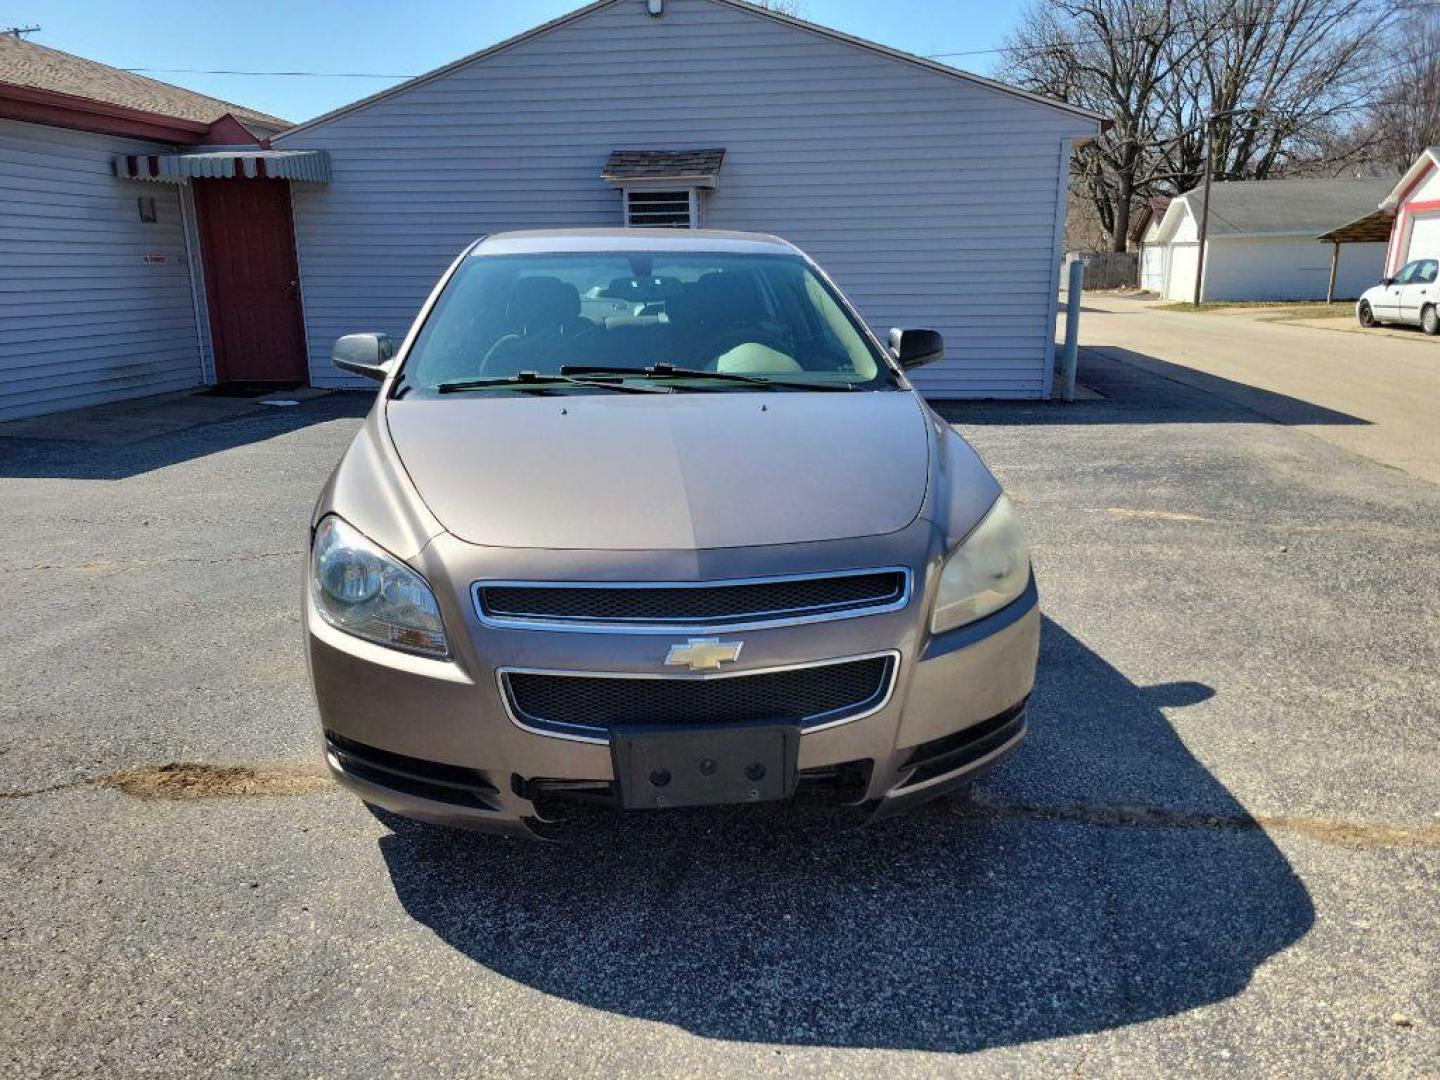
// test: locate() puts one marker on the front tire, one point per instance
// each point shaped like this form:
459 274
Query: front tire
1365 315
1430 320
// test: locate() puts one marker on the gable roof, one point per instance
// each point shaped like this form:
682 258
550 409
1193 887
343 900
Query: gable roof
739 5
1428 159
38 67
1284 207
1150 212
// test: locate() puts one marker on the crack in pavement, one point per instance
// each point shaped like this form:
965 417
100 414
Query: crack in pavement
102 566
181 781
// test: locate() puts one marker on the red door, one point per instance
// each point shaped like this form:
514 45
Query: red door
247 243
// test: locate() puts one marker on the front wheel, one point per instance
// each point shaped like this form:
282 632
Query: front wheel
1430 320
1365 315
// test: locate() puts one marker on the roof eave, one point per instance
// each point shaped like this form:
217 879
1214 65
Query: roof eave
1101 121
1428 160
55 109
689 180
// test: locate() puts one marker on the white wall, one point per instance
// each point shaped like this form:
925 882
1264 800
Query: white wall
83 319
933 201
1287 268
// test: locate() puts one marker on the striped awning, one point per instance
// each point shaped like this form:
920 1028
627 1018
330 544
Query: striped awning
311 165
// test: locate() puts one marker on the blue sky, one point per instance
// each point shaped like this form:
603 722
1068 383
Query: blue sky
402 39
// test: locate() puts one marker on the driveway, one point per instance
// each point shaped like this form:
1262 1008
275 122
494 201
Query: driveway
1218 852
1374 393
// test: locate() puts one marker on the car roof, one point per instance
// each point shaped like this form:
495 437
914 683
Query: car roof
536 241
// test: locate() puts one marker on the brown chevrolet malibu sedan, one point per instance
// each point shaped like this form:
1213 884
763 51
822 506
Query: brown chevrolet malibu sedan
651 518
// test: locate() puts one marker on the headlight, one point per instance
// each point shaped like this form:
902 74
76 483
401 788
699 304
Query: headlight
367 592
990 568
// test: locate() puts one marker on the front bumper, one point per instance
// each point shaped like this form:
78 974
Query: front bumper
433 740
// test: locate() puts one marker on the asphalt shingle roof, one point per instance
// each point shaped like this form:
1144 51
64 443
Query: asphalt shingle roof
661 164
1286 206
25 63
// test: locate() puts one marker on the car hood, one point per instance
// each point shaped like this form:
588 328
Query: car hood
687 471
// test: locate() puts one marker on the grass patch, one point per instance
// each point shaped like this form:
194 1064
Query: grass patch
1271 309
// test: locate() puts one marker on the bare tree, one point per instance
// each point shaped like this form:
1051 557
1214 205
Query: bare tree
1279 75
794 8
1406 117
1115 57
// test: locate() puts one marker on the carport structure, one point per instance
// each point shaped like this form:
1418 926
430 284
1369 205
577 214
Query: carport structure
1373 228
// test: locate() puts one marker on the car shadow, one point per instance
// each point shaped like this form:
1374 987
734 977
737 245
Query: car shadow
125 439
957 927
1136 388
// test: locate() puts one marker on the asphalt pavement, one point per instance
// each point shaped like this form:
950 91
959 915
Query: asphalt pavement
1217 854
1371 392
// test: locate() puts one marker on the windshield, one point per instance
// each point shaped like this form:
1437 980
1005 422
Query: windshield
697 320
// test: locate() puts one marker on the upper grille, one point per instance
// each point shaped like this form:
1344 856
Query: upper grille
593 703
693 605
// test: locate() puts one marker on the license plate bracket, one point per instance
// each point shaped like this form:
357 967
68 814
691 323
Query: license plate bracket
679 765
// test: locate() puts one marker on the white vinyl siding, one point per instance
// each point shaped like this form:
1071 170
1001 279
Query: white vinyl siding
932 200
1287 268
84 318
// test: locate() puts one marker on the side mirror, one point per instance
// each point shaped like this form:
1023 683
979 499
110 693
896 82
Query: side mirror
1387 281
913 348
364 354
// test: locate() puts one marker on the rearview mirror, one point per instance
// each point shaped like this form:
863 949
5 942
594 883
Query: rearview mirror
364 354
913 348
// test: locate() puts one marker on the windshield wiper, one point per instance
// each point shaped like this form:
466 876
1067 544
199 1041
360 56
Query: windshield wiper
535 383
670 371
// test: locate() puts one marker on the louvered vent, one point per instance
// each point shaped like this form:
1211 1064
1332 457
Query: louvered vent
660 209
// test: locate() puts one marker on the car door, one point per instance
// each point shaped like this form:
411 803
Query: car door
1387 300
1387 297
1419 290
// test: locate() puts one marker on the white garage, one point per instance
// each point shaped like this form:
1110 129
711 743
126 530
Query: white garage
1415 202
1261 241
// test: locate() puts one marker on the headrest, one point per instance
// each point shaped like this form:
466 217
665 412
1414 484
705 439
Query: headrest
543 301
726 298
622 288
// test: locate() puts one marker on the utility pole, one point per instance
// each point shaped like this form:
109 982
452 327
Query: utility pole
16 31
1205 209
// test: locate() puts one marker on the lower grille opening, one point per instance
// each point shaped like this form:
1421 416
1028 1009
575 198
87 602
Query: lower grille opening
806 696
951 752
413 776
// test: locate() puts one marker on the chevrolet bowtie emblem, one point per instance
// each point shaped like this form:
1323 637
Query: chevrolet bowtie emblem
703 653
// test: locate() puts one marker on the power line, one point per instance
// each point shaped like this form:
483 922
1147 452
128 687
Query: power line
268 74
